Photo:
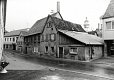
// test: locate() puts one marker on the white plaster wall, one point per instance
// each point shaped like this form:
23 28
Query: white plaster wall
107 34
9 42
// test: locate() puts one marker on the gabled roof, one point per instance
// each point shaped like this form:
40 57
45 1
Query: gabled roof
84 37
39 25
15 32
110 10
66 25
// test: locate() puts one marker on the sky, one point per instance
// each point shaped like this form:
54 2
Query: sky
24 13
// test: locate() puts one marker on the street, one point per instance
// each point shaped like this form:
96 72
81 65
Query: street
33 68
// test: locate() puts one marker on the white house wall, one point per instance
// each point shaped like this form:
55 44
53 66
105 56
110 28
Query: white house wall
10 41
107 34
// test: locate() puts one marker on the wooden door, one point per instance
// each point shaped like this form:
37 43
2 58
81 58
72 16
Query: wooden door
61 52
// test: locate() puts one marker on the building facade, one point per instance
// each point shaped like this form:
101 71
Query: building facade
20 41
10 39
55 37
108 29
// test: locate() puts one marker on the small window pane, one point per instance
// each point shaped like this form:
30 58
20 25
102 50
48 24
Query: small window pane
113 25
46 48
108 25
73 50
52 49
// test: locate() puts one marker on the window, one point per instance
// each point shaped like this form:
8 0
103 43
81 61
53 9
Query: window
42 37
46 48
110 25
13 39
34 38
16 38
52 49
46 37
35 49
73 50
52 37
10 39
38 38
5 39
49 24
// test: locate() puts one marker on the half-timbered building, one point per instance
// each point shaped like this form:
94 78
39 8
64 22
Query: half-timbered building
55 37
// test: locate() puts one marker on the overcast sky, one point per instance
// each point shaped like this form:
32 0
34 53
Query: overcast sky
24 13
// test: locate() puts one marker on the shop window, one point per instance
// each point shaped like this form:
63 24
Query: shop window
73 50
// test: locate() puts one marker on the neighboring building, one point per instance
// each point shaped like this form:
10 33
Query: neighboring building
20 41
10 39
55 37
108 29
33 39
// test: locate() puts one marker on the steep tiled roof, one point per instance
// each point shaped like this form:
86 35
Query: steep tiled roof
66 25
39 25
15 32
59 22
110 10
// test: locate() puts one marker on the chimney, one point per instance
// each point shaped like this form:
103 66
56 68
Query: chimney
58 6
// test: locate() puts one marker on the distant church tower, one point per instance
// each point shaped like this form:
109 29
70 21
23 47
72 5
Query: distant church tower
86 25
